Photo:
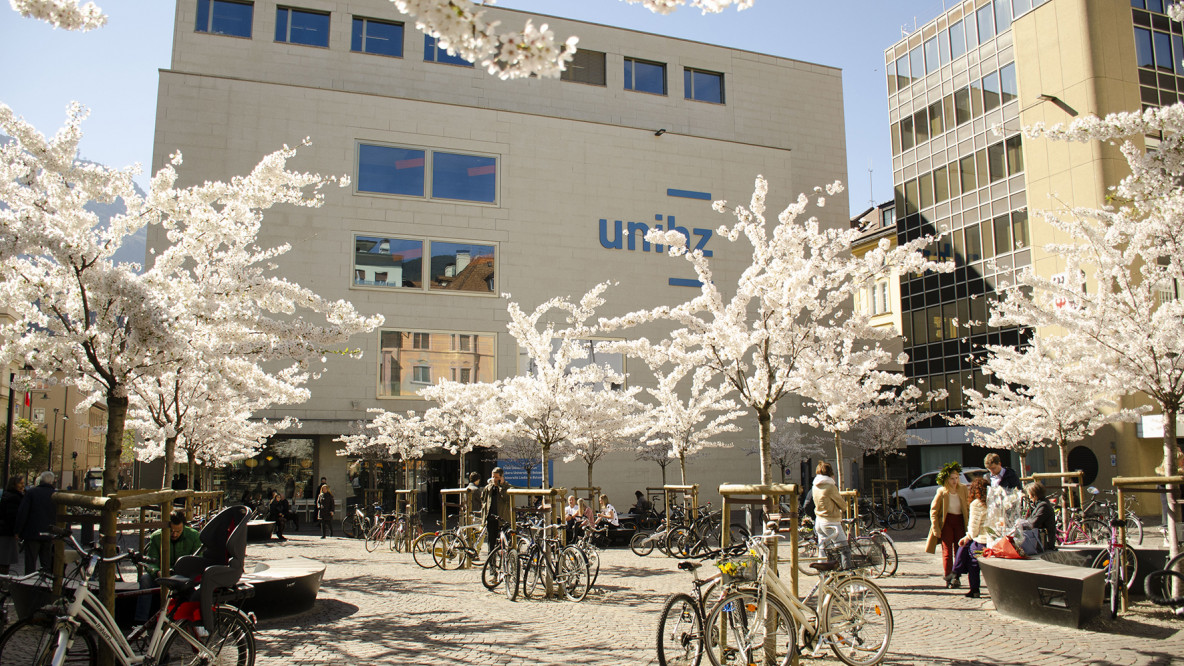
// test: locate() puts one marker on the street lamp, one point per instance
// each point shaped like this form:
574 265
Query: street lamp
62 469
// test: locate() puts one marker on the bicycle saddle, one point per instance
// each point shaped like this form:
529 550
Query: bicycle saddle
687 565
221 560
824 566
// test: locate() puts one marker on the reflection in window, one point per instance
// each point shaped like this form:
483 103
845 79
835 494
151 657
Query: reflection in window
464 177
1019 229
390 170
907 139
962 105
990 91
932 58
976 98
986 24
1015 155
957 40
388 262
433 52
916 63
299 26
1144 55
1163 52
462 267
996 165
936 126
224 17
941 185
377 37
966 171
973 245
1002 234
902 71
1007 83
1002 15
921 126
408 360
703 86
643 76
587 66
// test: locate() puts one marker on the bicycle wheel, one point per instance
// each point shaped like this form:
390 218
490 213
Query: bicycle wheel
680 632
1130 564
491 571
32 642
858 620
422 551
593 555
677 542
397 537
1134 529
891 558
1095 531
374 538
575 578
642 543
232 642
447 552
349 526
511 568
807 553
871 556
897 519
534 573
747 620
1166 587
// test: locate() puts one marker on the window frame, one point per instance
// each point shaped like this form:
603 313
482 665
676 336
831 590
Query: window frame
437 50
443 361
581 55
366 21
424 277
429 173
688 85
630 81
209 12
328 16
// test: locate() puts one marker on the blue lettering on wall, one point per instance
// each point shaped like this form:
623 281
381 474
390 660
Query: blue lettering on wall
614 244
696 237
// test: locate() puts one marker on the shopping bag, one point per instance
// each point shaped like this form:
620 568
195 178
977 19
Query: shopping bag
1003 548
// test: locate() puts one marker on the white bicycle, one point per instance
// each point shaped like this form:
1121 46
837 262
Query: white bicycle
65 633
760 615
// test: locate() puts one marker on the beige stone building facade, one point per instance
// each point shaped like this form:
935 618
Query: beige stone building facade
1003 64
465 187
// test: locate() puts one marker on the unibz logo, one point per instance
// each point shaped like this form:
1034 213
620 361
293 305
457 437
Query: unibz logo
624 235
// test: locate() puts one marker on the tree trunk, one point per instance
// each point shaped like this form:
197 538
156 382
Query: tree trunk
590 475
682 464
764 418
170 462
884 476
463 481
663 475
1169 469
113 448
192 458
545 483
1064 455
528 470
838 461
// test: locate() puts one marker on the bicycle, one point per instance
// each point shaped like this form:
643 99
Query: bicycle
680 625
1120 569
643 543
591 553
66 632
1104 510
1166 586
381 530
897 515
760 614
357 525
541 566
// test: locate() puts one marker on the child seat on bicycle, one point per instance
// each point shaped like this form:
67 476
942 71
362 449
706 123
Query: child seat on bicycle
219 564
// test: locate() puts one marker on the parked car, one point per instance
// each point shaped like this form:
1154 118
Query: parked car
919 494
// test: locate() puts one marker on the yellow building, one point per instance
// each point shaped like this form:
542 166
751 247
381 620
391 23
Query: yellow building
960 88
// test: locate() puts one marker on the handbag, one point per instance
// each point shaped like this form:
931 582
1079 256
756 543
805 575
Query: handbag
1029 542
962 558
1003 548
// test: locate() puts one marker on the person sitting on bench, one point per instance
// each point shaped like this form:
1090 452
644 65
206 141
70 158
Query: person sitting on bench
608 513
183 540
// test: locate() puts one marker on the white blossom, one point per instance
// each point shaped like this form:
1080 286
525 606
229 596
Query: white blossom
64 14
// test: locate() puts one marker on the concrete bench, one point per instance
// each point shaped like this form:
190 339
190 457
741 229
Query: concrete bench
284 587
1042 591
260 530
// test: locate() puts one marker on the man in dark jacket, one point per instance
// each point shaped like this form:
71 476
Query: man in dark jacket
1004 477
496 506
35 516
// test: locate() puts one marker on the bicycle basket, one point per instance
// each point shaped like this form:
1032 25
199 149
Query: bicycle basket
858 554
739 569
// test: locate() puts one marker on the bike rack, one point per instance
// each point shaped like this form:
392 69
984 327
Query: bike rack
884 485
1139 484
593 493
691 491
408 500
852 497
464 505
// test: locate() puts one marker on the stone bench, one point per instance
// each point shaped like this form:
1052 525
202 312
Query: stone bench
284 587
260 530
1042 591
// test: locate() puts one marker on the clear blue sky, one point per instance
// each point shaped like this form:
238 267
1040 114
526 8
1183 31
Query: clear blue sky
113 71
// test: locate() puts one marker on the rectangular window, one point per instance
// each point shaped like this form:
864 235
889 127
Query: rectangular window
1163 52
941 184
1156 6
644 76
421 374
421 341
987 234
884 297
463 342
917 63
926 181
1015 155
1002 234
377 37
1144 54
1018 7
462 267
986 24
300 26
919 327
936 126
962 105
943 46
388 262
907 138
895 138
586 67
974 249
1178 49
996 162
703 86
888 217
902 72
957 40
891 78
1007 84
1002 15
991 91
936 327
966 170
955 180
932 58
433 52
976 98
391 170
959 248
225 17
911 199
921 126
462 375
1019 229
464 177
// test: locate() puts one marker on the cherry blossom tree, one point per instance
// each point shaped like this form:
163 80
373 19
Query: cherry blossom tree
790 445
521 452
788 305
655 454
606 424
103 325
545 405
885 433
65 14
461 417
1117 300
403 436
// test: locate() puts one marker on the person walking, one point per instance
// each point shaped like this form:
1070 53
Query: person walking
10 503
829 507
947 524
495 506
975 540
325 507
34 517
278 511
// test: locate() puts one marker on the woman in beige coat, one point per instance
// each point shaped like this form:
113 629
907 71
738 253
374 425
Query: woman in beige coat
947 522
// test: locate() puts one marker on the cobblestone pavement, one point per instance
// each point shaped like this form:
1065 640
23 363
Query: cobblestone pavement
382 608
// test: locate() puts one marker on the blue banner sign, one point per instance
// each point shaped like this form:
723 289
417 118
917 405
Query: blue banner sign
516 473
